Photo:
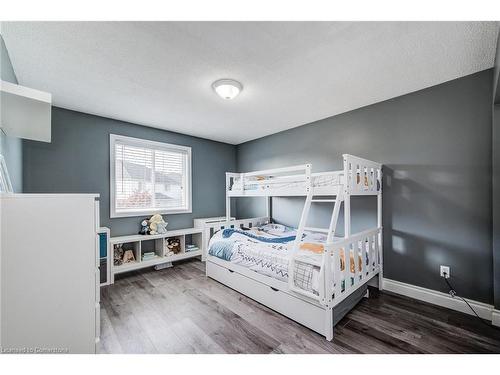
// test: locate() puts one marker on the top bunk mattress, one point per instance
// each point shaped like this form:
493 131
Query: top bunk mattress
259 183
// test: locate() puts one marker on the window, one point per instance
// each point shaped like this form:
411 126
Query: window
148 177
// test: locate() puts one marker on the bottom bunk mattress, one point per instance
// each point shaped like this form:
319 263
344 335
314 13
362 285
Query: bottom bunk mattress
267 250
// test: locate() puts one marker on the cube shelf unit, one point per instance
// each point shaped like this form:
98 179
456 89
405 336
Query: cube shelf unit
105 256
140 244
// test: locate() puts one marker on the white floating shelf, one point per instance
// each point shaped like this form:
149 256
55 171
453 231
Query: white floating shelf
24 112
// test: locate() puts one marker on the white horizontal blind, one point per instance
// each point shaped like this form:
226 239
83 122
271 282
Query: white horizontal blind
169 179
149 178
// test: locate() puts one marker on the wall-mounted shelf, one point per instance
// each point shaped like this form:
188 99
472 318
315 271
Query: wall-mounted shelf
141 244
25 112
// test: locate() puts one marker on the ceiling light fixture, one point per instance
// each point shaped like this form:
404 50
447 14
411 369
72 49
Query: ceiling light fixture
227 88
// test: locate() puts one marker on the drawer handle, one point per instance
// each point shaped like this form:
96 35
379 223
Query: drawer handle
230 270
274 289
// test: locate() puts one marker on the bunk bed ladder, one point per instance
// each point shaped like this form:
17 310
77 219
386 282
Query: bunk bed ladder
330 231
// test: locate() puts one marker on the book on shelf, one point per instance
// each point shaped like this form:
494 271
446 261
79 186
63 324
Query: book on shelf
191 248
149 255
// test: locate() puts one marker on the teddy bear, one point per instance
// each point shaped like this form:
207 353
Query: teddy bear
173 245
157 225
154 225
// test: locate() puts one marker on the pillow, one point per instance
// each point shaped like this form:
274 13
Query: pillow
273 227
316 248
277 230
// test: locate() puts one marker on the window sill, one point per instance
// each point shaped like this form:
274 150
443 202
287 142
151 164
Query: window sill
115 215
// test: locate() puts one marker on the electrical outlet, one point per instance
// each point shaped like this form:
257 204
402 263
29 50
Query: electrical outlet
443 270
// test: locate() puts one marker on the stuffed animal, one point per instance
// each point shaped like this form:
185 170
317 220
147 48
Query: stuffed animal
118 255
144 227
154 225
161 228
128 256
157 224
174 245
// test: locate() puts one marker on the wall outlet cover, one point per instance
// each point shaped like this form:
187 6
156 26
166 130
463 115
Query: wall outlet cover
443 270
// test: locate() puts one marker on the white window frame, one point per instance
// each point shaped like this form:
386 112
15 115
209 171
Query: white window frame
113 138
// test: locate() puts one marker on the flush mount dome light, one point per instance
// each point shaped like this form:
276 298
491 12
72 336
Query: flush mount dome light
227 88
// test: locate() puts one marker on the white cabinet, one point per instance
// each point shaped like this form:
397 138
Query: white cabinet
49 275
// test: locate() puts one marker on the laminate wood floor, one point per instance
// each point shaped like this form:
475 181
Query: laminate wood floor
180 310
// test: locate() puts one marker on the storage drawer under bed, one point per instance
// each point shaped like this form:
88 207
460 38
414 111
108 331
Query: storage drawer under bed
308 314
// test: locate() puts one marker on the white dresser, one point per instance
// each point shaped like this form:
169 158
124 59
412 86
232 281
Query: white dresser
49 273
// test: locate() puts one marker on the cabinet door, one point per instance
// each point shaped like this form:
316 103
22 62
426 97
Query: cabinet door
49 272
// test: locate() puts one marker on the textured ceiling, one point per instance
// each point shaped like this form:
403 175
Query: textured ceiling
159 74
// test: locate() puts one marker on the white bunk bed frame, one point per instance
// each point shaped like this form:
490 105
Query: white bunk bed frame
358 177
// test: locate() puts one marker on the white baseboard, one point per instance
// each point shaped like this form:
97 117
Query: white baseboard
495 319
484 310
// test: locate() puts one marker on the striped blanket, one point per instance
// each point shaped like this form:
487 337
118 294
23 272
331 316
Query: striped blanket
264 251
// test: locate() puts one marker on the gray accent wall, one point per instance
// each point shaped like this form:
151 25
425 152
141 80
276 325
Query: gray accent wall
10 147
77 161
496 178
496 71
436 148
496 203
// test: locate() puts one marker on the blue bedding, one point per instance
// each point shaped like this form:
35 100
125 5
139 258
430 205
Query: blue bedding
266 250
228 232
222 249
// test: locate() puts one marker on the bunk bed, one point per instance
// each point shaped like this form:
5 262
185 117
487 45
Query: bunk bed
307 274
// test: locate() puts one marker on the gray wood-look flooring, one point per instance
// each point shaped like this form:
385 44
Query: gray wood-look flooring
179 310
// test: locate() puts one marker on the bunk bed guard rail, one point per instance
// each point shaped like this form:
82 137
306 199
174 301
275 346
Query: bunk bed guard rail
345 265
362 176
296 173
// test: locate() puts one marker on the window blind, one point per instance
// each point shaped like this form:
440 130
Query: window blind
149 178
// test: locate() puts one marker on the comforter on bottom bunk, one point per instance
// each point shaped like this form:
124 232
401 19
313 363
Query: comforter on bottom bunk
266 250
